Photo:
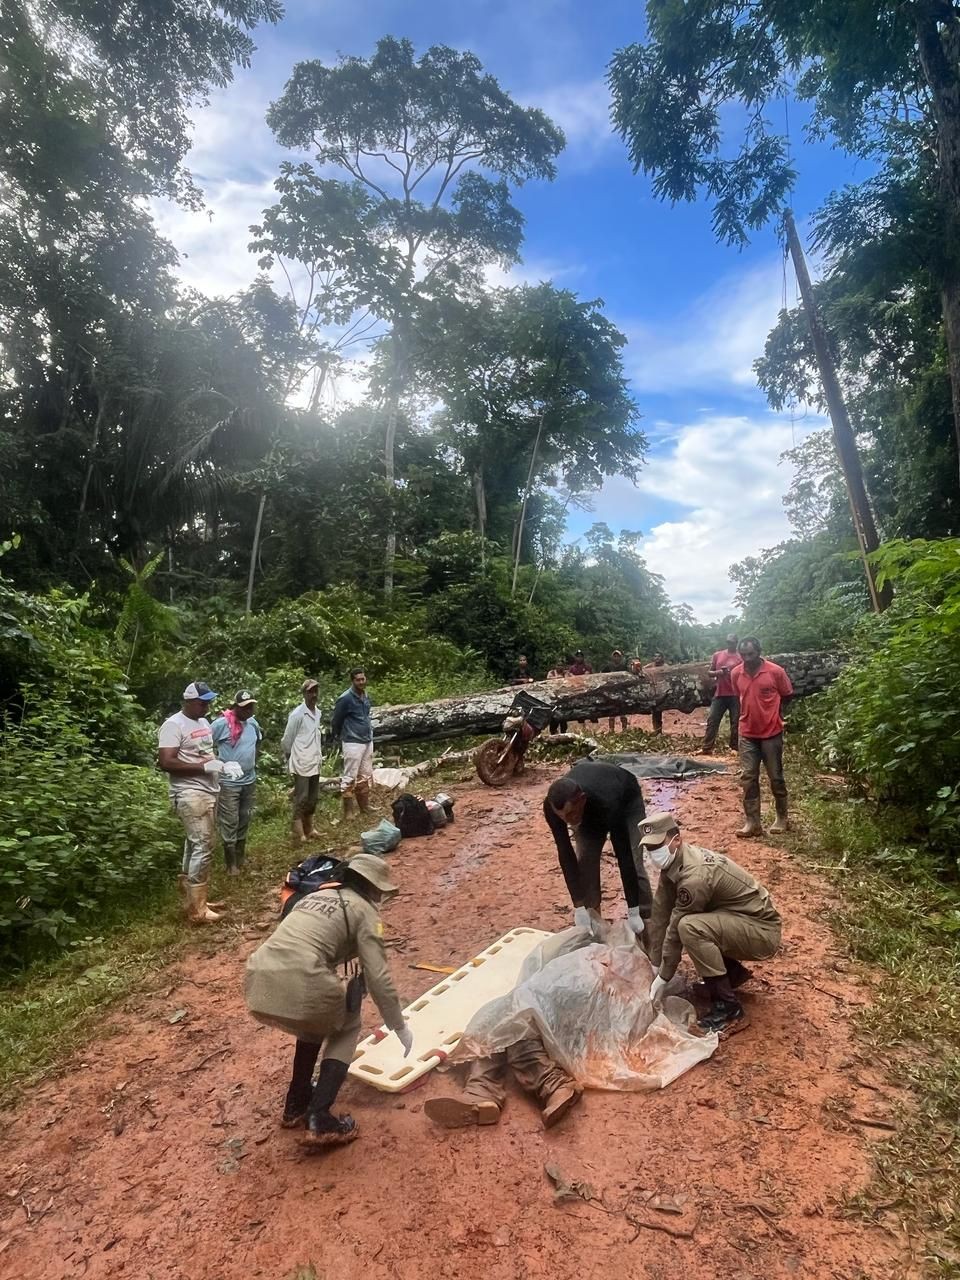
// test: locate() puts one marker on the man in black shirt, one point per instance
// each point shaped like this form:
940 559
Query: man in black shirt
617 663
596 800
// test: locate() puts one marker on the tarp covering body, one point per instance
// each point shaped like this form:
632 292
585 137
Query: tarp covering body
642 765
589 1004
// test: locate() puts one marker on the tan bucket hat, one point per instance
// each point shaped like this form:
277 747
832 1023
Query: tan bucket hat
373 869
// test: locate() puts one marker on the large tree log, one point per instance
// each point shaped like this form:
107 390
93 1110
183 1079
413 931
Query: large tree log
680 688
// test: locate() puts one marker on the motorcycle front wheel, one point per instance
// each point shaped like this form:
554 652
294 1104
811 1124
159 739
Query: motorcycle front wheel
496 762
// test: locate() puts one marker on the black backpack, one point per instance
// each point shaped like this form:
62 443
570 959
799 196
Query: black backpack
412 816
308 876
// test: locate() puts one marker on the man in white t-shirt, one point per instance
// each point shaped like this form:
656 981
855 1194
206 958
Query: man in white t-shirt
186 756
300 746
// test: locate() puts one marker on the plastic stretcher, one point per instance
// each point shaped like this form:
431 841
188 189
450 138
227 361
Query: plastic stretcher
439 1017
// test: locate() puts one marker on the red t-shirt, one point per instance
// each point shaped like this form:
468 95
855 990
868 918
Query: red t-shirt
724 658
760 696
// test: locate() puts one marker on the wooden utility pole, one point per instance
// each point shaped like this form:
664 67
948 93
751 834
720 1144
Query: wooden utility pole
843 437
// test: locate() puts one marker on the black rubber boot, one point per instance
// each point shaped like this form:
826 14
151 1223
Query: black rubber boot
725 1008
230 858
241 853
301 1085
323 1128
737 974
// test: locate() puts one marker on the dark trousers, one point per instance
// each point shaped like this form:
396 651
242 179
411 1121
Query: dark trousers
589 849
769 752
305 793
719 707
657 718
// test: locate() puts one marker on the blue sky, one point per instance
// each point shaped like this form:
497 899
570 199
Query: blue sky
696 313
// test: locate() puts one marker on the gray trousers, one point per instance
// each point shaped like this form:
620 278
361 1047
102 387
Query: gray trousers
769 752
589 849
719 707
234 811
305 793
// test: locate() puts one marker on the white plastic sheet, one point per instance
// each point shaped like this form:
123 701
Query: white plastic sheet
589 1004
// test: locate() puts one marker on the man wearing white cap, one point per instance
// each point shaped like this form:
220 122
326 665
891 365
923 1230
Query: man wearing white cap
186 755
300 746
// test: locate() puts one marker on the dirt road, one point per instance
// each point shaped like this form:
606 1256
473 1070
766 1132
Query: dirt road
159 1154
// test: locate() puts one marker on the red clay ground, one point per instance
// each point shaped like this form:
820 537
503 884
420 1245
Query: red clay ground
158 1155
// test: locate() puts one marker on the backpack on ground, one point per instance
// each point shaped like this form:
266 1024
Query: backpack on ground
412 816
308 876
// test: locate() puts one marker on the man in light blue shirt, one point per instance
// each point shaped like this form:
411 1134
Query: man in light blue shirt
237 736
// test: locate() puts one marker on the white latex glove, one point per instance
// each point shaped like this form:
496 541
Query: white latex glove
232 770
634 921
405 1036
656 990
582 918
213 766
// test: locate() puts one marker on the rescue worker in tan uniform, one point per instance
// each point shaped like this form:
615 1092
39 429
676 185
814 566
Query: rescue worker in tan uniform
711 908
484 1094
292 983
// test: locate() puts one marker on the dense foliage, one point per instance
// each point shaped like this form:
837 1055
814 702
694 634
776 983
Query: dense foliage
891 720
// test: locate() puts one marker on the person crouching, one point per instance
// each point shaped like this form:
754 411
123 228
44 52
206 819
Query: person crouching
292 984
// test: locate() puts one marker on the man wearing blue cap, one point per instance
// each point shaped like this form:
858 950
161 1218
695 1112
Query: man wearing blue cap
186 756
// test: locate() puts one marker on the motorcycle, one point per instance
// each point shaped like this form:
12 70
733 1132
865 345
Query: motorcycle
499 759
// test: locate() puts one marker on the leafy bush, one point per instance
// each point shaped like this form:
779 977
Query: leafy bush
890 720
77 832
50 657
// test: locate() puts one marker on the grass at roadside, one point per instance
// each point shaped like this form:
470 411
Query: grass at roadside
896 915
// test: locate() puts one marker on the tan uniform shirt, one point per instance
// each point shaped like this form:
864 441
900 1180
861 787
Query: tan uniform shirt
700 881
293 979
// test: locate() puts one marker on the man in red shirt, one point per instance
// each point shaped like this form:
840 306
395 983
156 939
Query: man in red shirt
725 698
761 687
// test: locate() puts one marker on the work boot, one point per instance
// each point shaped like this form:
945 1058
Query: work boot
297 834
323 1128
363 796
737 974
297 1102
348 806
307 821
752 827
559 1103
230 858
782 823
241 854
198 912
452 1112
725 1008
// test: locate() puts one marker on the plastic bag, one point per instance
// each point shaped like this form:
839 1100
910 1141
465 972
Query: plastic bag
382 839
589 1004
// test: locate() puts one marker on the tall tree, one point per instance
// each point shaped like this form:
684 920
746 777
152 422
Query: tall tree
413 215
532 384
883 78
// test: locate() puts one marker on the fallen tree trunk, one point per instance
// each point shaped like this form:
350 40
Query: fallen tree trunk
679 688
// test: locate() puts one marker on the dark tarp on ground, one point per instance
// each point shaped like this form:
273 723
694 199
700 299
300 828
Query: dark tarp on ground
676 767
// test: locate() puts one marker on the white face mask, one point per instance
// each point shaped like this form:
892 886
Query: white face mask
662 857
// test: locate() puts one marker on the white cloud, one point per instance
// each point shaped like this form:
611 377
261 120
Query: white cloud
582 110
714 342
728 475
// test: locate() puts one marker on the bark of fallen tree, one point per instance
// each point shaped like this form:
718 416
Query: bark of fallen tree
678 688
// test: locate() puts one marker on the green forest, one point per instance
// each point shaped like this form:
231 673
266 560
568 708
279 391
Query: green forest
178 502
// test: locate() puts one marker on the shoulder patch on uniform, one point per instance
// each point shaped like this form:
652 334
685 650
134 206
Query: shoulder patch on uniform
379 928
684 897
